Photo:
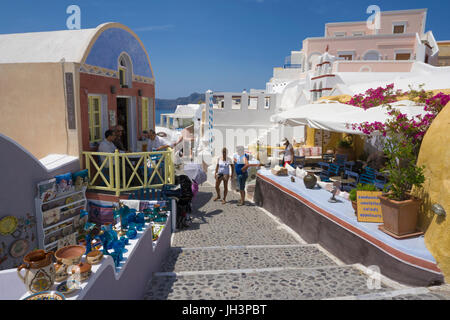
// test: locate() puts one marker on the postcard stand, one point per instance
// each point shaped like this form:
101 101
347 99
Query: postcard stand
58 213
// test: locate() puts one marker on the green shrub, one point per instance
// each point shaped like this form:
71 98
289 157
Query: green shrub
361 187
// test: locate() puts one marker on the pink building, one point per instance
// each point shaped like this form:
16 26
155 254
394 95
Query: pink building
354 47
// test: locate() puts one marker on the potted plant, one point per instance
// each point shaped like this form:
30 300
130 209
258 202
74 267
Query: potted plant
400 209
360 187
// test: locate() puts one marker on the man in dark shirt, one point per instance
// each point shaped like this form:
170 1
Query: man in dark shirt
118 141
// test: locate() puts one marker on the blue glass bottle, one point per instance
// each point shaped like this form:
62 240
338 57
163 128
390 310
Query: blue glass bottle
131 233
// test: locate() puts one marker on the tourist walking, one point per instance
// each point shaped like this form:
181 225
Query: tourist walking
288 152
224 168
241 165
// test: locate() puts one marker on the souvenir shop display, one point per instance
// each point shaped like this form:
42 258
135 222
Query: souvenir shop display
59 207
51 276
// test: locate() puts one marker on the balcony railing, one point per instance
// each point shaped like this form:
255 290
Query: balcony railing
124 172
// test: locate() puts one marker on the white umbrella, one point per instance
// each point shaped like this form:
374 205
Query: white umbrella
195 172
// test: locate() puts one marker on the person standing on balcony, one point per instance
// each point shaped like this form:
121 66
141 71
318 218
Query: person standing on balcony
288 152
107 145
155 143
118 141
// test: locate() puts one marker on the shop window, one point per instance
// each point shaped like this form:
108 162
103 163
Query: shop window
145 114
402 56
95 116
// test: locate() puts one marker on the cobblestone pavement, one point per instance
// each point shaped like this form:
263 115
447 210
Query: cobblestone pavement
298 256
242 253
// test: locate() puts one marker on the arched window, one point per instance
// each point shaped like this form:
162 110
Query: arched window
125 71
372 55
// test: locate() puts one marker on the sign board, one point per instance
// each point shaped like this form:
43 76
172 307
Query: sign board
70 101
369 207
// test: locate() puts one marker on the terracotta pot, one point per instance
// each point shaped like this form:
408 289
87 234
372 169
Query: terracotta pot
355 207
40 272
94 257
400 217
70 255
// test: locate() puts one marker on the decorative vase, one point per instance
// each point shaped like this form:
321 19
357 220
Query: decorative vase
310 181
400 217
40 271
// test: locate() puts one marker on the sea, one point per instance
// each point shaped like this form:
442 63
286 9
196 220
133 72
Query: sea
158 114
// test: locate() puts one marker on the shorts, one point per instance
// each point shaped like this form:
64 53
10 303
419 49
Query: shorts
241 178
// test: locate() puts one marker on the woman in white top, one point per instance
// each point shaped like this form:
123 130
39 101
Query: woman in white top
224 169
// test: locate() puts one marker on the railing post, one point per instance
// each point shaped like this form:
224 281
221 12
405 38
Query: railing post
88 165
117 172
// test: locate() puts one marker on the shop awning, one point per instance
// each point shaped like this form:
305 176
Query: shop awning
338 117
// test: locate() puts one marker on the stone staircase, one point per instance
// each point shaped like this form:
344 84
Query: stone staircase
243 253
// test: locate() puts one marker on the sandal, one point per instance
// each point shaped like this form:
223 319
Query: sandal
224 201
216 198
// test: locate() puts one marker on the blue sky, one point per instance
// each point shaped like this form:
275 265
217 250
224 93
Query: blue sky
223 45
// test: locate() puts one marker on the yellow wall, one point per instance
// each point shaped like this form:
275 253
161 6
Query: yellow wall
435 155
33 109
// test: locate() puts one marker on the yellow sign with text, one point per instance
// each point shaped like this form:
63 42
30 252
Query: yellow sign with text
369 207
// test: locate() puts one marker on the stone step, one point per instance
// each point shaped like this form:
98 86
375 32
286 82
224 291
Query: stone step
245 257
262 284
418 293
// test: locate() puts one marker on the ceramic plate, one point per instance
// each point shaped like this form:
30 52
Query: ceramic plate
8 225
46 295
19 248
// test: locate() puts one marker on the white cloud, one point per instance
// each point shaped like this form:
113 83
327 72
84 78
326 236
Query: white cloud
154 28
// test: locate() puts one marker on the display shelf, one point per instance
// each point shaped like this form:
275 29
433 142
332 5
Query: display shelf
128 280
65 206
65 195
42 228
108 261
63 221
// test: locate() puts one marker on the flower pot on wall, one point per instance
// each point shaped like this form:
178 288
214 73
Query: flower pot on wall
400 217
355 207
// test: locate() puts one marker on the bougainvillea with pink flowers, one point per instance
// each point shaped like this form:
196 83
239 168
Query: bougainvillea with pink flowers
414 128
375 97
